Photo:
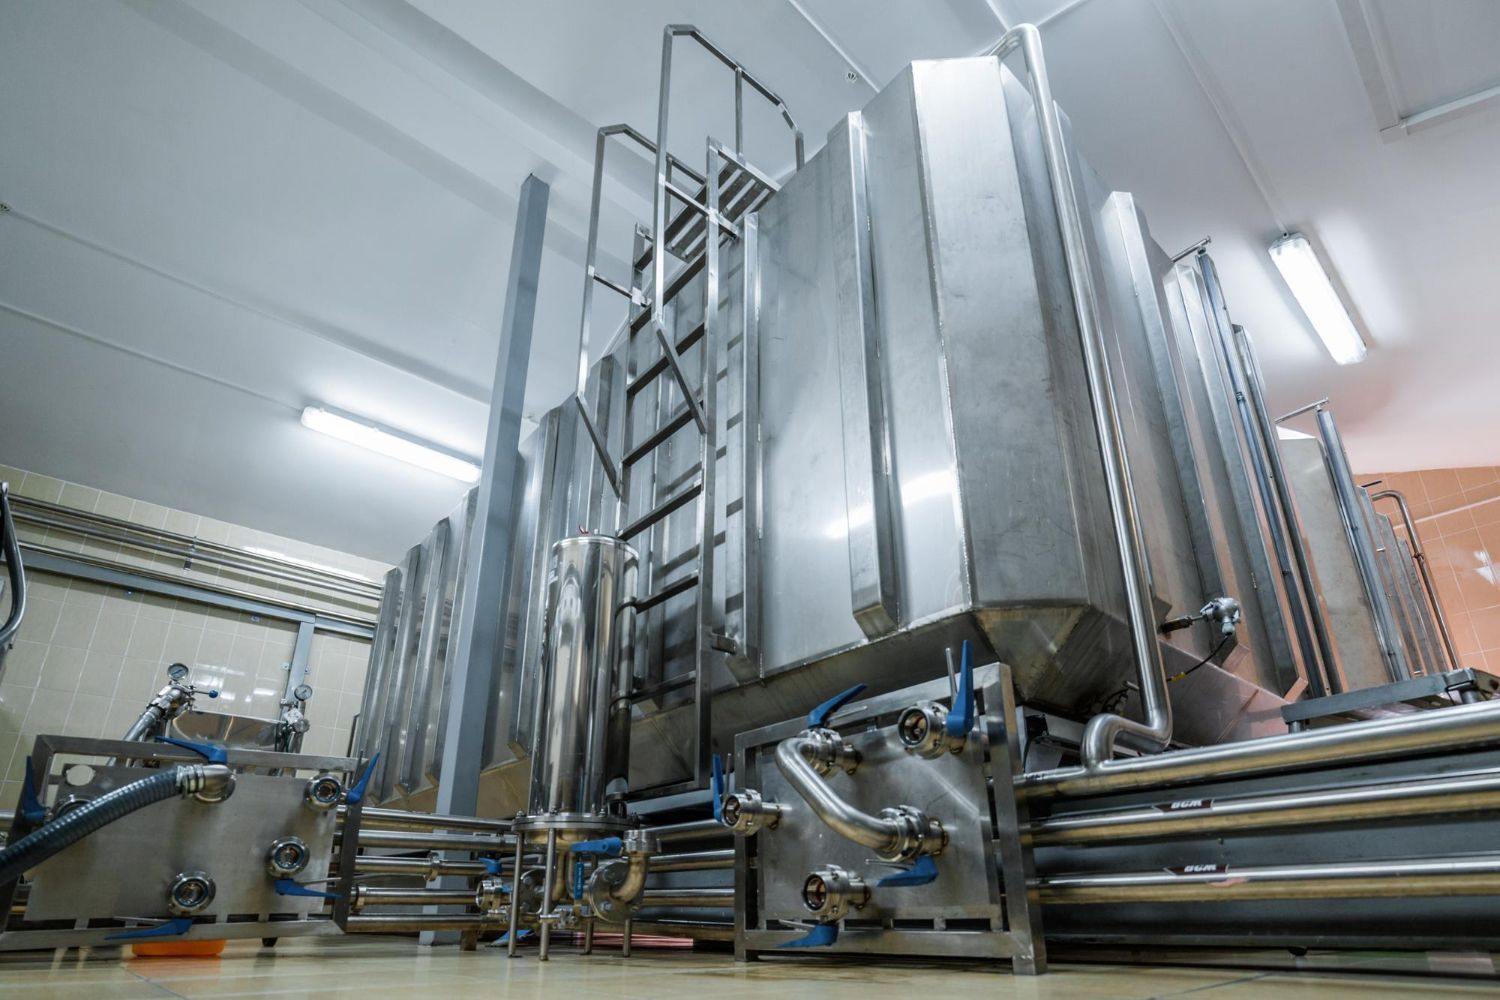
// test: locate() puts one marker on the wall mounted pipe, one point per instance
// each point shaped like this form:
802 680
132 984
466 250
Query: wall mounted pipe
698 829
899 833
1477 791
1419 557
707 898
397 923
365 895
1477 876
705 930
400 819
424 868
1106 728
692 861
421 841
1461 727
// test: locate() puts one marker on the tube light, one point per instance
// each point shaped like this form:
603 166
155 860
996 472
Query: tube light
390 443
1320 302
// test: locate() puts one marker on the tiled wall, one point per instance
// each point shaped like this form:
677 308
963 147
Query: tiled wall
1457 512
88 656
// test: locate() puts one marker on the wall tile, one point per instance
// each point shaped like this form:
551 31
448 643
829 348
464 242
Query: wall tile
1469 479
101 673
112 632
78 497
1440 483
24 663
114 505
48 712
87 715
157 607
63 669
40 487
40 619
148 639
1486 624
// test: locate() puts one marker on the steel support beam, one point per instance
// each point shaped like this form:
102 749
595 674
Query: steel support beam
481 634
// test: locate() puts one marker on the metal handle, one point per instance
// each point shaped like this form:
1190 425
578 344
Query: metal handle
11 546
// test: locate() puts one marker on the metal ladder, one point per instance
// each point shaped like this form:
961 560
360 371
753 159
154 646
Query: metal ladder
715 206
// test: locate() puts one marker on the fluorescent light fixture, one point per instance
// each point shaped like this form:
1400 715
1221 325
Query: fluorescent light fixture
390 443
1304 275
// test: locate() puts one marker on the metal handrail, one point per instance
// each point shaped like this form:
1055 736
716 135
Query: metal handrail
189 548
11 547
1419 556
1106 728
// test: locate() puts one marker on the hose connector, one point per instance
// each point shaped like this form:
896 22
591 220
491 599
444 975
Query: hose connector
205 782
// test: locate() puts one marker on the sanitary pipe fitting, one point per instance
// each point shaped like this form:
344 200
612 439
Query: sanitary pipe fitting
287 857
491 894
827 751
746 813
830 893
190 893
324 792
923 730
614 890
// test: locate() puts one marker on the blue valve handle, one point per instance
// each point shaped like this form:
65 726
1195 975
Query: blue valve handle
209 752
356 794
609 847
171 928
287 887
921 873
491 866
32 810
961 718
818 717
821 936
578 867
521 935
718 789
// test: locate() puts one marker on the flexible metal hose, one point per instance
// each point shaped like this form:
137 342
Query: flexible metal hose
39 845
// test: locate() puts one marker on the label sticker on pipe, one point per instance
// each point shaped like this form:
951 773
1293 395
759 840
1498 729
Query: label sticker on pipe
1197 870
1182 805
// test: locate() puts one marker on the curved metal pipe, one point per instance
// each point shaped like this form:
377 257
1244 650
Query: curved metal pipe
1106 728
901 832
1461 727
1419 556
11 547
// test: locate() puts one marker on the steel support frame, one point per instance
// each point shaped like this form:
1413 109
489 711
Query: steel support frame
480 640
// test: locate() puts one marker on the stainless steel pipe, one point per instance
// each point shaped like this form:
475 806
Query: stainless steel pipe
899 833
697 829
1477 791
425 868
1474 876
1106 728
420 841
398 923
691 861
1461 727
697 930
708 898
400 819
365 895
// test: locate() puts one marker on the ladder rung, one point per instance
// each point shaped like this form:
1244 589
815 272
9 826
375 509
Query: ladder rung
671 684
681 585
676 285
658 513
658 366
633 294
677 422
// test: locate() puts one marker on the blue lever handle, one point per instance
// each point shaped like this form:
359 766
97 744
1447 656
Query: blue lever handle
491 866
609 846
356 794
287 887
921 873
209 752
961 719
171 928
32 809
819 937
818 717
718 789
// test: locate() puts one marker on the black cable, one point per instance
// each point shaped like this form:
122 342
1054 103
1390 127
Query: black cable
1203 661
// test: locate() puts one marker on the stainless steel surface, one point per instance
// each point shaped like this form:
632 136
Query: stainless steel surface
15 570
584 690
1458 727
374 817
415 840
395 923
366 896
692 861
427 868
718 899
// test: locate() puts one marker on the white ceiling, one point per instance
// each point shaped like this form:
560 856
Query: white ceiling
222 211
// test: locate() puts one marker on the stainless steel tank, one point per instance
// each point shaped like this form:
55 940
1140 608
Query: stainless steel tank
581 731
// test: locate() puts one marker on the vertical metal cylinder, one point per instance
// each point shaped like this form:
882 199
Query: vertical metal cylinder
585 677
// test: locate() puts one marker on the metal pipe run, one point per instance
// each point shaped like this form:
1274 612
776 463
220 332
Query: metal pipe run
1461 727
692 861
697 829
706 930
421 841
1419 556
899 833
1472 876
425 868
400 819
365 895
1476 791
708 898
1106 728
398 923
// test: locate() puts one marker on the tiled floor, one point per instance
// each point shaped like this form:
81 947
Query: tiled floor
375 968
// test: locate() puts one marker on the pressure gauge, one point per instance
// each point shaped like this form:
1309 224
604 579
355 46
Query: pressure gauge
178 671
302 692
